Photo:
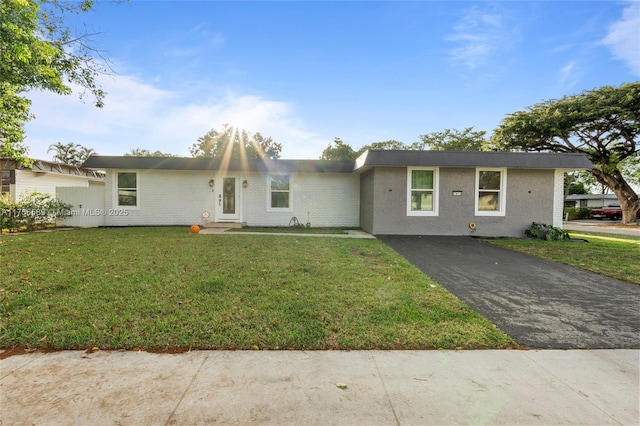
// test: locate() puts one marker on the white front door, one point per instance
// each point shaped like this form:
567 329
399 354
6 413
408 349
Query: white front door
227 198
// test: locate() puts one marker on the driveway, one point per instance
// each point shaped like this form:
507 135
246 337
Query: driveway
541 304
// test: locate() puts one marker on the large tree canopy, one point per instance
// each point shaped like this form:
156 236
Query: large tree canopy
37 51
446 140
231 142
603 124
338 150
453 140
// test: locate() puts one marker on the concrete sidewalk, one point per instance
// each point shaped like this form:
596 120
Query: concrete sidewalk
295 387
349 233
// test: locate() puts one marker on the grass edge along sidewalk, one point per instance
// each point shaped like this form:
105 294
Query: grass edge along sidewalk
164 289
611 255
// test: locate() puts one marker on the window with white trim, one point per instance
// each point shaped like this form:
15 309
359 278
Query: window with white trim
422 191
127 189
279 192
490 192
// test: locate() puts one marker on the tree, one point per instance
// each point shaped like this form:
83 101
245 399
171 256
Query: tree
453 140
234 143
603 124
37 51
143 152
574 184
70 153
391 144
338 150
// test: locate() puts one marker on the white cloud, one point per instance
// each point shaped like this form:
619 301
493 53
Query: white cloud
624 37
568 76
139 114
478 34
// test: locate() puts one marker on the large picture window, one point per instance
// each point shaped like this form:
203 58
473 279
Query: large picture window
422 192
490 192
279 192
127 189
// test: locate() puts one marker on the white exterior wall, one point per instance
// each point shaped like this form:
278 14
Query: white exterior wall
558 197
165 197
45 183
87 206
322 199
177 197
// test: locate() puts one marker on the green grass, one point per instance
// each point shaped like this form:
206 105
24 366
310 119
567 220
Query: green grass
167 289
615 256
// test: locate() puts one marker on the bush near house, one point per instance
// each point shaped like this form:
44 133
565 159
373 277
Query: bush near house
576 213
543 231
33 211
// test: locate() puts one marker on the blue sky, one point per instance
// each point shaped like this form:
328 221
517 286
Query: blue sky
304 72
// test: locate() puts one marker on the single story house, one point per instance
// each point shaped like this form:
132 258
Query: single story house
43 177
382 192
590 200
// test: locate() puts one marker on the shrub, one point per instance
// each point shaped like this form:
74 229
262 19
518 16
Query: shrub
33 211
577 212
546 232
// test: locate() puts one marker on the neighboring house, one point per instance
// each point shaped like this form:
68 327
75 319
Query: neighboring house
590 200
382 192
43 177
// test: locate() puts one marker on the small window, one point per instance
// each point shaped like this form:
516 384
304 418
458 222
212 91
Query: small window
422 192
490 190
279 192
5 181
127 189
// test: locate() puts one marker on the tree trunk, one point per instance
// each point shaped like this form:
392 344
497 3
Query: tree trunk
629 201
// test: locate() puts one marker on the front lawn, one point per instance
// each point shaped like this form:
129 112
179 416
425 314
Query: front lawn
615 256
167 289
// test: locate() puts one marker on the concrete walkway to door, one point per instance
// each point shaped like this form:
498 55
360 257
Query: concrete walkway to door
541 304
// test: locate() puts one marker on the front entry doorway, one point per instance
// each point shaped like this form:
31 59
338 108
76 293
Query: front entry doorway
228 200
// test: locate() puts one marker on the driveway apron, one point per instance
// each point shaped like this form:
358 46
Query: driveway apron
541 304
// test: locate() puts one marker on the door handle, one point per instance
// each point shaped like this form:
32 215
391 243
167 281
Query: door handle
219 199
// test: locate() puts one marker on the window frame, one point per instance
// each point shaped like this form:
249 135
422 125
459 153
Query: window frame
502 192
270 191
9 180
435 191
116 197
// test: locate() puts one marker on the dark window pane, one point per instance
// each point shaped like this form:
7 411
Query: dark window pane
421 201
422 179
127 198
280 200
489 180
127 180
280 183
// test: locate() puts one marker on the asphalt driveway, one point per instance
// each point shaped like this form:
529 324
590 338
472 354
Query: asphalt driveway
541 304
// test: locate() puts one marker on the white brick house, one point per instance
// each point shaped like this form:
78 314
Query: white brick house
183 191
382 192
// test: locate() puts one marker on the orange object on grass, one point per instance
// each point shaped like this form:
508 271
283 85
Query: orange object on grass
194 229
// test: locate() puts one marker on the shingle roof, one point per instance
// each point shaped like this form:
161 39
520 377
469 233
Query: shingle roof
523 160
181 163
366 161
